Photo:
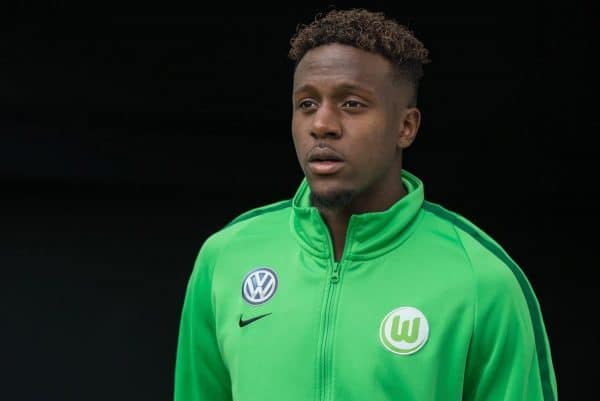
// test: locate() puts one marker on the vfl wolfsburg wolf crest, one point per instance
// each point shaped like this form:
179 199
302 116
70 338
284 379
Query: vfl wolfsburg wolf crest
404 330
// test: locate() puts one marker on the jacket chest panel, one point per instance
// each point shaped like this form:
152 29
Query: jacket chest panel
329 331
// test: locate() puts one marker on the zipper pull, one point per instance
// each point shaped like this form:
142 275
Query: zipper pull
335 274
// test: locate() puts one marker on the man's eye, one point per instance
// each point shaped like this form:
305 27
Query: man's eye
353 104
305 104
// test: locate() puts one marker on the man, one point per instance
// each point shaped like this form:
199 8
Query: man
357 288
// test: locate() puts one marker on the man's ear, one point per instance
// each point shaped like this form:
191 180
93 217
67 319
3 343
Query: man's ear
409 126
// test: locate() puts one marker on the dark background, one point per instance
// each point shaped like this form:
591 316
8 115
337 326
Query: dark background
128 134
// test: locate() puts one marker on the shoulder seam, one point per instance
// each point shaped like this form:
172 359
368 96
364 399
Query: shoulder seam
534 312
260 210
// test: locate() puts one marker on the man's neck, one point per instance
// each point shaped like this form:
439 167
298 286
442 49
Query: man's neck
337 223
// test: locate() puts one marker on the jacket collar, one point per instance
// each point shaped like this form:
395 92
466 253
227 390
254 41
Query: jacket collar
369 234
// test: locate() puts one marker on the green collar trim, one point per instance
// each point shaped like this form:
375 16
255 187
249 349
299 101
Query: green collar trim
369 234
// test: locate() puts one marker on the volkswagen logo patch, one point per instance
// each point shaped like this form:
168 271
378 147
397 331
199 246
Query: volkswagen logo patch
259 286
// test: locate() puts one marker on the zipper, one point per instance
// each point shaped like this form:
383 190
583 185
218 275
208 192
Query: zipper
335 273
329 317
328 323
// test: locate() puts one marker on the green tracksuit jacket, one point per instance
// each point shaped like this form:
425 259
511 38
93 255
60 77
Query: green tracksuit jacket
422 306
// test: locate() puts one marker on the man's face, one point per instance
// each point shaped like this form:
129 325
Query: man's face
347 125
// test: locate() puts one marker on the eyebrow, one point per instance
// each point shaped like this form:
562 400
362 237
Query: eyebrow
342 87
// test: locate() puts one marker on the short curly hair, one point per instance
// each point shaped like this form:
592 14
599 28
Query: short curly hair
367 30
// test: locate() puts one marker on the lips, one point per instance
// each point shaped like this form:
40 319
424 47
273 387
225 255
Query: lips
324 161
323 154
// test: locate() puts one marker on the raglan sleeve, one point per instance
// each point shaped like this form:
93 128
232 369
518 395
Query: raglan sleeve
509 356
200 373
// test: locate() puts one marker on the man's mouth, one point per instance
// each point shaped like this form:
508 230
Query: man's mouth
324 161
324 155
325 167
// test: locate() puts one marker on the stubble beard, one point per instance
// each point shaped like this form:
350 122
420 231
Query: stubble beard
332 201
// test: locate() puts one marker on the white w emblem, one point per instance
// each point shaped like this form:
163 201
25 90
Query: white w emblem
259 286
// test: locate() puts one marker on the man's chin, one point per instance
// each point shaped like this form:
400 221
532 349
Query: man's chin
331 200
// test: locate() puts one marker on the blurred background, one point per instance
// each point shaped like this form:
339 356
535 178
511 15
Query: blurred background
130 133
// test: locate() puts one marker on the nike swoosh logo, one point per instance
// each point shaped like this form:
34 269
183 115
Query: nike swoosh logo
254 319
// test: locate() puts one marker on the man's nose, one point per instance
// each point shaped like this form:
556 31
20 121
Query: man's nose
326 123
